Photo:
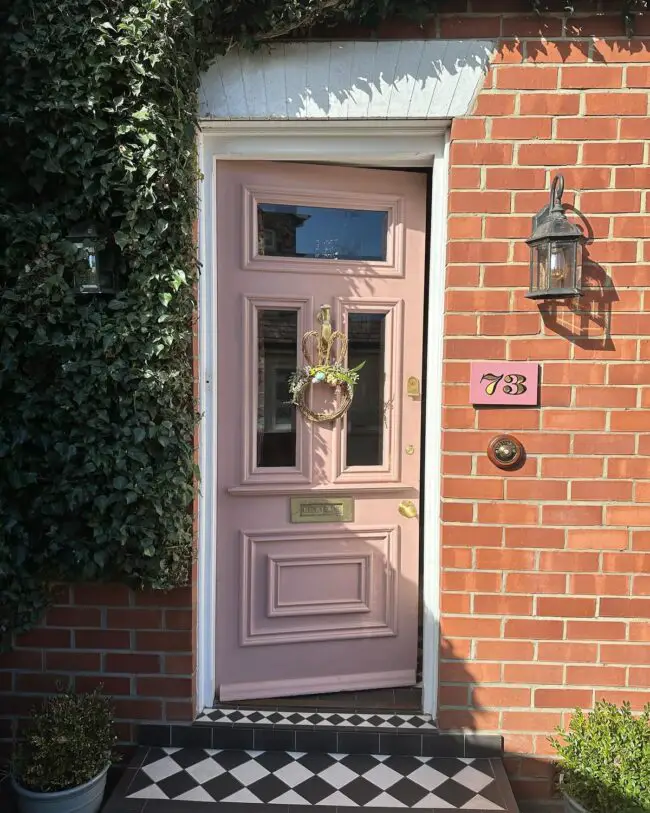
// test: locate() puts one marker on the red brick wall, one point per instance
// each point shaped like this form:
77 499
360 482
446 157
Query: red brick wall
546 592
137 644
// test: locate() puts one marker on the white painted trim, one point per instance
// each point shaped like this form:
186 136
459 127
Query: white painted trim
431 485
385 143
269 140
206 566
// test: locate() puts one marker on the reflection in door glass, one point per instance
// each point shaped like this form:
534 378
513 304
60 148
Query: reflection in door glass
365 438
277 349
317 232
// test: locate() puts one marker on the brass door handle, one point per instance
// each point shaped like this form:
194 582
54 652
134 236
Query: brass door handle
407 508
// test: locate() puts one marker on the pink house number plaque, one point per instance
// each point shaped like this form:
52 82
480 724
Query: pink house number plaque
504 383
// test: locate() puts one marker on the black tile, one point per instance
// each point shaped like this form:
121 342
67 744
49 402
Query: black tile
221 786
153 754
314 789
360 763
408 700
316 740
401 764
450 766
407 792
274 760
154 734
224 737
190 736
140 756
174 806
120 805
233 807
443 745
454 793
358 742
492 793
123 787
268 788
316 762
483 745
361 791
274 739
401 743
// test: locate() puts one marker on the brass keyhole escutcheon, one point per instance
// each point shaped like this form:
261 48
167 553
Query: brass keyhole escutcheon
410 449
413 387
408 509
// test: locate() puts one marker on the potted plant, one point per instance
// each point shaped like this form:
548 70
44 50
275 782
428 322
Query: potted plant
605 760
61 764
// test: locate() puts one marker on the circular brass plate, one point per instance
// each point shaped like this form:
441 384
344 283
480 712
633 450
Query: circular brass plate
505 451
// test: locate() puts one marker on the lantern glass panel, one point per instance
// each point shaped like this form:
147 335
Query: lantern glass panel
554 267
88 280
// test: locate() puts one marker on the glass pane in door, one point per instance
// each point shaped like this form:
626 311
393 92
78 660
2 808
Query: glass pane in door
318 232
365 418
277 350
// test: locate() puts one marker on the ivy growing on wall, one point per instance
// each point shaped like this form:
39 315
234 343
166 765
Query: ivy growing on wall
98 117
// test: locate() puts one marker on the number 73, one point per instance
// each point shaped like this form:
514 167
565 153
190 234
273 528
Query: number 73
512 384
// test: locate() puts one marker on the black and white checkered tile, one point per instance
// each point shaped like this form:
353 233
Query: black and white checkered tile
325 719
317 779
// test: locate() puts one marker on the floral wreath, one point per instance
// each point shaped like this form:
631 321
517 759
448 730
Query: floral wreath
321 370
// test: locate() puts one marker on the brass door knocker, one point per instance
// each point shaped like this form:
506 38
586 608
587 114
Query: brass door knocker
318 347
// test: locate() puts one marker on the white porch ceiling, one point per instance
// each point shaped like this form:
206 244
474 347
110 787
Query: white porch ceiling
389 79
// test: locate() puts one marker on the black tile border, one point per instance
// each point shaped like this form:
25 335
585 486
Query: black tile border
503 783
154 734
407 742
483 745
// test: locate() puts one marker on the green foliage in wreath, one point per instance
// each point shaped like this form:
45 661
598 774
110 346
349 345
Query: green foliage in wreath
98 108
332 374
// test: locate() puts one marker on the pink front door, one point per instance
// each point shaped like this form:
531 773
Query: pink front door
318 529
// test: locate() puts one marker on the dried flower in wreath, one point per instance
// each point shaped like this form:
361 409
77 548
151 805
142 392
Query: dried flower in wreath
320 369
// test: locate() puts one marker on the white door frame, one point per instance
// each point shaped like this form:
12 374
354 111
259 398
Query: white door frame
387 143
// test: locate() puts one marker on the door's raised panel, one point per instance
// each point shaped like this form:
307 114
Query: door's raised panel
270 424
319 585
256 241
276 608
383 375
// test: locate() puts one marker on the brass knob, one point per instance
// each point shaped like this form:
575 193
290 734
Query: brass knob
407 509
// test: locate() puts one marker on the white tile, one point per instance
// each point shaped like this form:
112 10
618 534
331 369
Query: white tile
150 792
479 803
428 777
433 802
161 769
384 800
337 799
382 776
290 798
249 772
205 770
337 775
195 795
471 778
293 774
243 795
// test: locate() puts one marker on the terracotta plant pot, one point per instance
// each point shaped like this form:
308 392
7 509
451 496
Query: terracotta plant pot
86 798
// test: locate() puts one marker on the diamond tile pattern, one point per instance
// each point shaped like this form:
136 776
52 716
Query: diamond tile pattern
310 719
317 779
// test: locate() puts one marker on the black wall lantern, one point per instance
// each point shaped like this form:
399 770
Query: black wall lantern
99 260
555 251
